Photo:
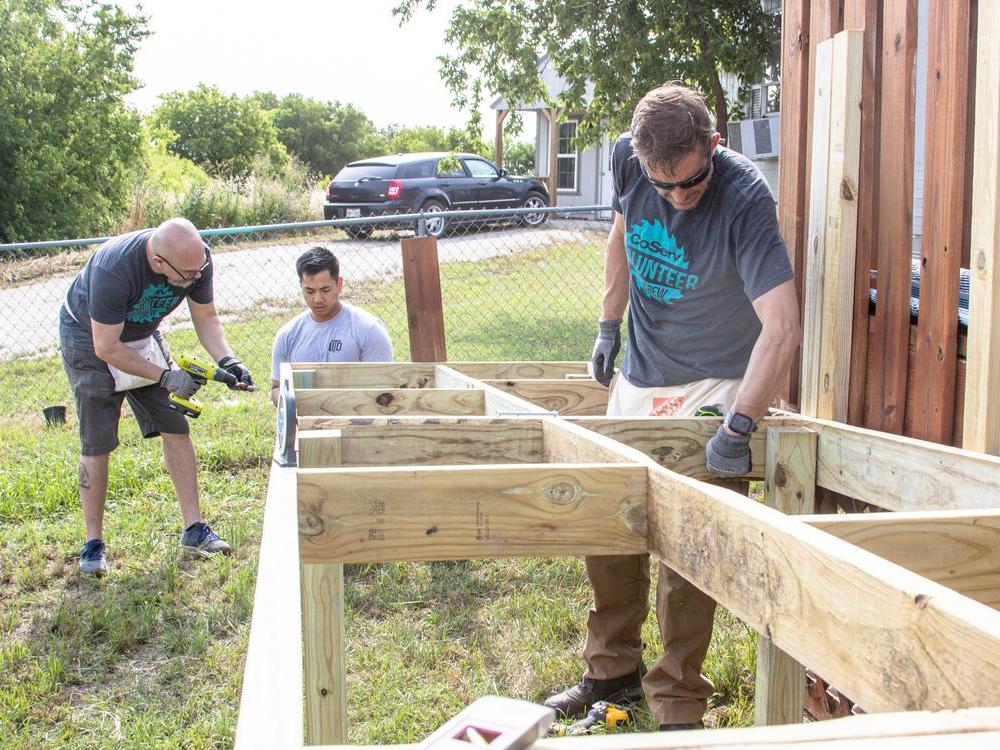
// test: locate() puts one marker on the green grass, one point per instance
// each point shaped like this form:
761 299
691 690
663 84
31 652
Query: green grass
152 655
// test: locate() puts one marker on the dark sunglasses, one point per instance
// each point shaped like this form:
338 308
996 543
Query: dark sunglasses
188 275
683 185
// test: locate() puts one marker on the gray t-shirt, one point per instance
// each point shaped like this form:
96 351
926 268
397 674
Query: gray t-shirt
693 274
118 286
352 335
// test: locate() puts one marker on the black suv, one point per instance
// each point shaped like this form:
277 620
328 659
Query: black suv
431 183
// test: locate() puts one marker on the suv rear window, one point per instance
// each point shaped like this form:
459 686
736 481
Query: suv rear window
418 169
357 171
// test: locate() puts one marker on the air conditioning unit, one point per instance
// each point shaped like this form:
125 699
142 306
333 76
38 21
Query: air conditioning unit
755 138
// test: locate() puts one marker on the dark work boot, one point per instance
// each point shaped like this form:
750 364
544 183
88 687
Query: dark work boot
681 727
574 702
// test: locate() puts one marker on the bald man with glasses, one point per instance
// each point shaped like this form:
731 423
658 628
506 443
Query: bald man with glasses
112 352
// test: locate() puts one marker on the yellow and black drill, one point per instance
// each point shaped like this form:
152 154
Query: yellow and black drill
202 372
602 713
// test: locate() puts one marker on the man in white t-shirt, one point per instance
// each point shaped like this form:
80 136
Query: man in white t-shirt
331 330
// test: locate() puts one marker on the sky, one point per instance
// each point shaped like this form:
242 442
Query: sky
352 51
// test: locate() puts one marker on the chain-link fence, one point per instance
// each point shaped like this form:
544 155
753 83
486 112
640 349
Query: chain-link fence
513 288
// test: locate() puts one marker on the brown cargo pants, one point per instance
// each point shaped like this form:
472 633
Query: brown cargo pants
676 691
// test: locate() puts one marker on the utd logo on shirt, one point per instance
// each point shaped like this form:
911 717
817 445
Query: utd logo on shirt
335 345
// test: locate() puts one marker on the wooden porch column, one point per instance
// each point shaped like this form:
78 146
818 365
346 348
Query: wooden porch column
553 116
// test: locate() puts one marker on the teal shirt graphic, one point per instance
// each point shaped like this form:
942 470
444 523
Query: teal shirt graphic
156 301
657 264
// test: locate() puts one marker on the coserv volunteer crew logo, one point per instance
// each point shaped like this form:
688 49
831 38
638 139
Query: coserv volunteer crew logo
657 264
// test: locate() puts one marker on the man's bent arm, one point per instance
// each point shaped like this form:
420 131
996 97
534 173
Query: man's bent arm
109 347
209 329
275 391
615 272
771 357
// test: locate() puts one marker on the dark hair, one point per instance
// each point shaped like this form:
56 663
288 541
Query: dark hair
316 260
670 122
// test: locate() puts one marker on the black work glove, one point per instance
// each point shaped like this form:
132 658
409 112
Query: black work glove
235 368
728 455
606 348
179 383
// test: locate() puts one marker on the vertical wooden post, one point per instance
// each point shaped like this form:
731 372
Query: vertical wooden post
424 308
793 187
981 428
936 356
790 476
867 15
841 216
890 346
323 644
498 138
553 117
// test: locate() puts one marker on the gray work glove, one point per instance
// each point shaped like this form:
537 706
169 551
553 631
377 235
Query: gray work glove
606 348
179 383
728 455
235 368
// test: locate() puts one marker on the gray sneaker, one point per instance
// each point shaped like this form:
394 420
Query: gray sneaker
92 559
200 538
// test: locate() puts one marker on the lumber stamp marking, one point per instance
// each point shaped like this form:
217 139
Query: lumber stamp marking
369 515
791 488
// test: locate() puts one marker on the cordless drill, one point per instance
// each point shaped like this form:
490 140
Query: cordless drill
202 372
611 715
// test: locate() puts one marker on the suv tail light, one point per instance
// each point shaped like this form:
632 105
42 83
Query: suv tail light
395 189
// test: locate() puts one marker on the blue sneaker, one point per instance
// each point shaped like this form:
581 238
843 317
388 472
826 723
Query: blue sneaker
200 538
92 559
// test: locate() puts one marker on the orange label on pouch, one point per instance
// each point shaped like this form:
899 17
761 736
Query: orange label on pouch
666 406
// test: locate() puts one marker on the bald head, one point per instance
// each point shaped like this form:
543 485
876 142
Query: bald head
178 241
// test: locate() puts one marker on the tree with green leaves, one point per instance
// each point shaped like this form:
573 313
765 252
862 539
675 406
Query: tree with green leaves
223 133
622 48
412 139
519 158
323 135
67 139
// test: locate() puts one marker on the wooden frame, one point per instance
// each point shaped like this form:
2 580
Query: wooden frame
368 488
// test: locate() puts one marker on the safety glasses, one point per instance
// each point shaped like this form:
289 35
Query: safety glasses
683 185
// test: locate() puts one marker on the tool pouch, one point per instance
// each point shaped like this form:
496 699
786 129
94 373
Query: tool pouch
152 349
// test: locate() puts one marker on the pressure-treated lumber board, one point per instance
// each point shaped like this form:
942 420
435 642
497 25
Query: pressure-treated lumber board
423 441
319 448
944 233
812 313
565 442
866 15
889 348
447 513
982 385
389 401
792 178
518 370
676 443
364 374
323 643
790 488
914 644
900 473
497 403
271 703
958 549
424 309
837 302
568 397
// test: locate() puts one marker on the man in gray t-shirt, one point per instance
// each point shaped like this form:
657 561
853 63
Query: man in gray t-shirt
695 254
331 330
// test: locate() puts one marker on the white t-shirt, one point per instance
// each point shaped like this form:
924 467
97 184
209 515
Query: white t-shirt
352 335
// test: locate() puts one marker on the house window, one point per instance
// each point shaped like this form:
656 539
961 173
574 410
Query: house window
566 162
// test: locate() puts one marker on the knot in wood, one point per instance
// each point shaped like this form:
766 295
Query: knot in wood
383 399
846 191
780 475
310 523
562 493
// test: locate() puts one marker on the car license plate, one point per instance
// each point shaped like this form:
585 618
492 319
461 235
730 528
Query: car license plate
352 213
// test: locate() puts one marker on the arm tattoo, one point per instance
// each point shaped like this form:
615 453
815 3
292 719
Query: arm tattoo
84 477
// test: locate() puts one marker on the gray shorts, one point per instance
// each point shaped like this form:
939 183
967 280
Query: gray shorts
98 407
